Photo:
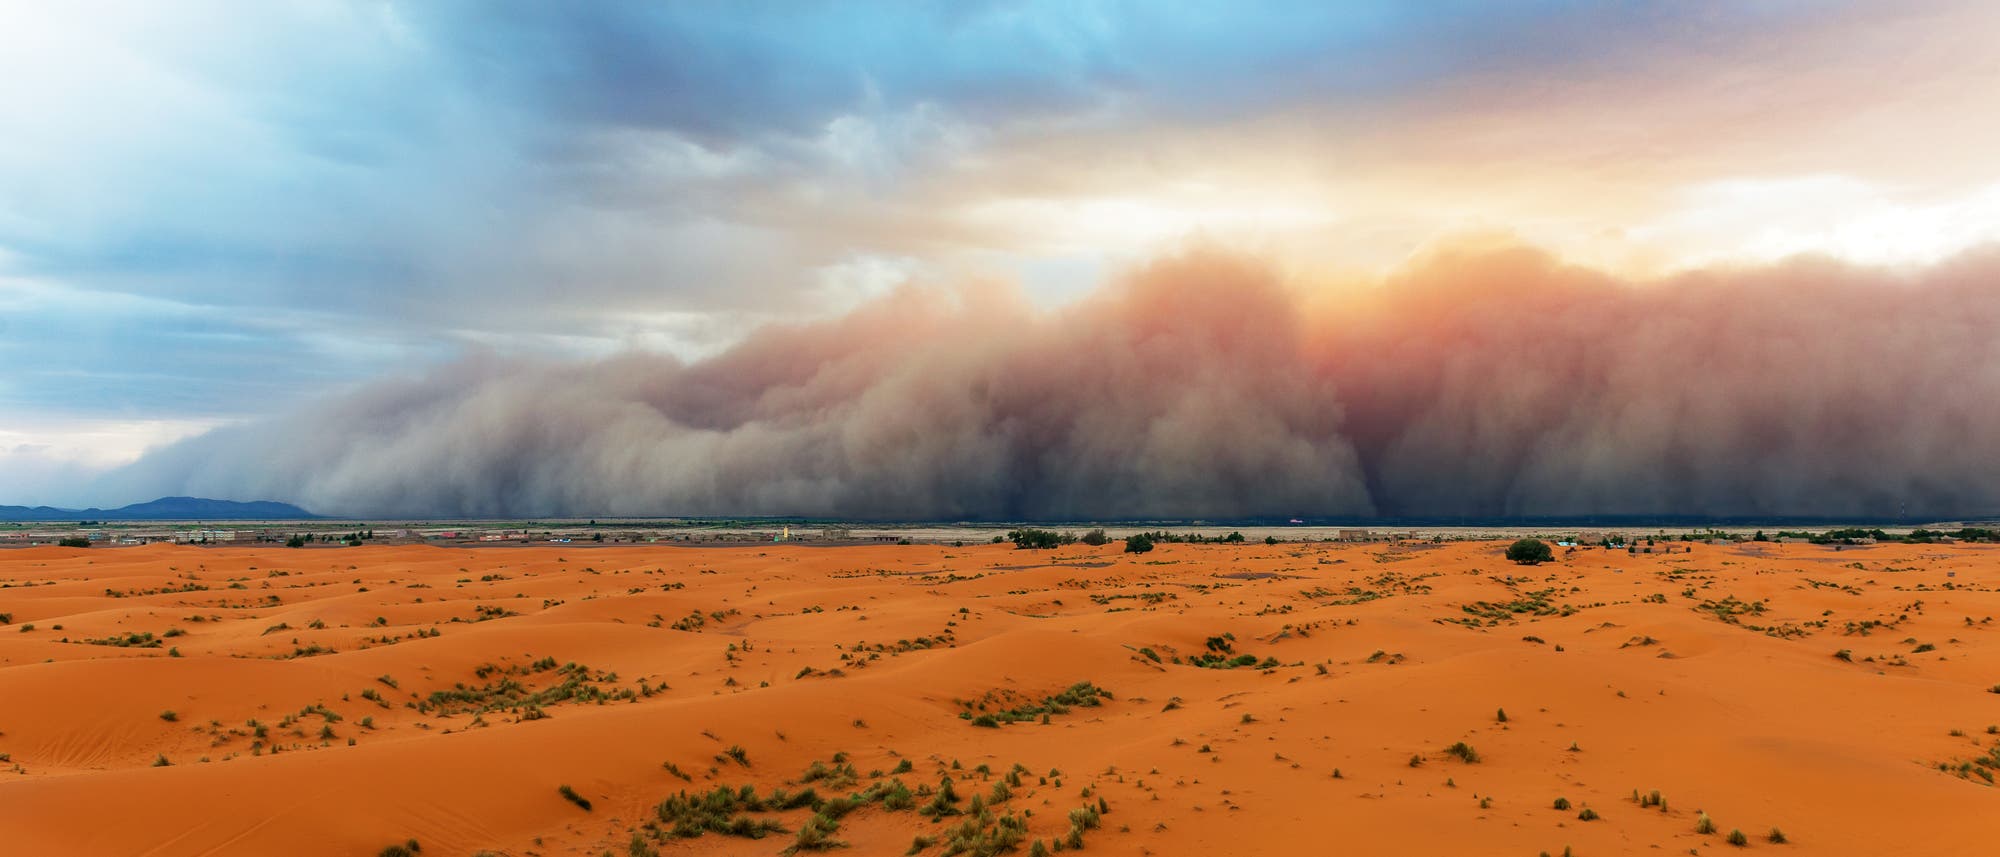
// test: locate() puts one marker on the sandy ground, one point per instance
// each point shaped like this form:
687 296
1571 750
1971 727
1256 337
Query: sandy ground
340 700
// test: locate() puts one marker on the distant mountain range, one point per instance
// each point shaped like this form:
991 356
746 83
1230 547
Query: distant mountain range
165 509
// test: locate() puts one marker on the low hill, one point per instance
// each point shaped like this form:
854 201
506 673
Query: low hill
165 509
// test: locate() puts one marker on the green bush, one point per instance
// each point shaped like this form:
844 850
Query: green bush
73 542
1140 543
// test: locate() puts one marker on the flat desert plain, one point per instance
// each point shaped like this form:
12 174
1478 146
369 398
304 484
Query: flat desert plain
1198 699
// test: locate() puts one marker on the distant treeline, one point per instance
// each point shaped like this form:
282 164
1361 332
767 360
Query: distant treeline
353 539
1843 536
1031 538
1034 538
1919 536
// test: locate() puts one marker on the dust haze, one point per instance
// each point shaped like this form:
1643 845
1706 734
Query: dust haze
1477 381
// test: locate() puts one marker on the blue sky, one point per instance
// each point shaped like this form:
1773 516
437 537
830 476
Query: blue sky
212 211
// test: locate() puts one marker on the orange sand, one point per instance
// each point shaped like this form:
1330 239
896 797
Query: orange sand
1759 729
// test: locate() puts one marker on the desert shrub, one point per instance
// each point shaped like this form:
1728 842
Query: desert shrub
569 794
169 716
838 807
1096 538
943 802
1737 838
1703 824
816 835
1081 694
1562 804
409 848
637 847
1587 814
73 542
717 811
1138 543
1777 837
1464 752
897 797
1530 552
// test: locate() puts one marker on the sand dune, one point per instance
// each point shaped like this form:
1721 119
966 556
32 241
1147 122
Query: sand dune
312 705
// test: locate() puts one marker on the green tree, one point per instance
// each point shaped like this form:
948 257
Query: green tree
1029 538
1530 552
1139 543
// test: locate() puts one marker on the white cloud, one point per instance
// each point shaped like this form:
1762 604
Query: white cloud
1765 219
50 460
